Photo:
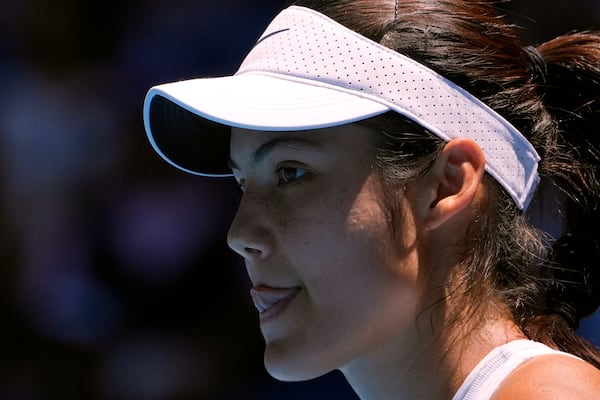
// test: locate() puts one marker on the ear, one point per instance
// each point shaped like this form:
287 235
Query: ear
451 185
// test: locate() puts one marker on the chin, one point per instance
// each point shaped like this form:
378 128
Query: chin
292 369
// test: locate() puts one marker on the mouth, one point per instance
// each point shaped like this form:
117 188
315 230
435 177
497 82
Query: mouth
270 301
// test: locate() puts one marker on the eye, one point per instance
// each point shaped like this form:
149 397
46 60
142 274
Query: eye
290 174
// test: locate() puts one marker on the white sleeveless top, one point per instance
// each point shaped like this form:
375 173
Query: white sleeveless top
489 374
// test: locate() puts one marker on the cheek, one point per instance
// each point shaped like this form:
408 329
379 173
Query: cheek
358 285
353 258
362 291
343 237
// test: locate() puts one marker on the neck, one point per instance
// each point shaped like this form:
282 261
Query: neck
420 367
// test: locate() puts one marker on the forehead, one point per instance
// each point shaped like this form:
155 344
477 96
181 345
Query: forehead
345 138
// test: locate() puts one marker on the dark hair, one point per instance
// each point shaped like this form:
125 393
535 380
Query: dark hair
541 264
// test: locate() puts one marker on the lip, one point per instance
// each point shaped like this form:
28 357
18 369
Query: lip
271 301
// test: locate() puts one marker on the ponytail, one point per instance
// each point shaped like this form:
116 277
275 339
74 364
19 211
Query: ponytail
567 74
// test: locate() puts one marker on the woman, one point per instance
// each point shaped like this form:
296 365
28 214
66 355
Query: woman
419 196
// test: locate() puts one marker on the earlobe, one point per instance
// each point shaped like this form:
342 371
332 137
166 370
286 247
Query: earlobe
453 181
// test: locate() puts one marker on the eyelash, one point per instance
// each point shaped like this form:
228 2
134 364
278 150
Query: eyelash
281 177
241 184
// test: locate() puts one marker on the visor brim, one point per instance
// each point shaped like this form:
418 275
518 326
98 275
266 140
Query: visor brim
188 122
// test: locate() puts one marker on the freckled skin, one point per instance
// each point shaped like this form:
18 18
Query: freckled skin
325 232
371 304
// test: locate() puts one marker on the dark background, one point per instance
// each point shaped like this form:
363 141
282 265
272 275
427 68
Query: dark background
115 278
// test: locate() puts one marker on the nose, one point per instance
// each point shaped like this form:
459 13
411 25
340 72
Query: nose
249 235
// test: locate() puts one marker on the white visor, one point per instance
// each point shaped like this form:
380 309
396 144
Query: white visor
307 72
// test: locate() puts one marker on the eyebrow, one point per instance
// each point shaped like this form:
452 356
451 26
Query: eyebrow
286 142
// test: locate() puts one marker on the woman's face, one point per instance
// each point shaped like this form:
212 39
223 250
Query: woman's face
330 281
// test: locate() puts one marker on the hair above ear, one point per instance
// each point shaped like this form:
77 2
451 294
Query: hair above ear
453 182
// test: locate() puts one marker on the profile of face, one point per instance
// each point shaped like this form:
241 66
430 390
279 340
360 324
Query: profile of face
331 282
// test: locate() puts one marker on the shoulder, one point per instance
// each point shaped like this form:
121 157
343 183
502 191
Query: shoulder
552 377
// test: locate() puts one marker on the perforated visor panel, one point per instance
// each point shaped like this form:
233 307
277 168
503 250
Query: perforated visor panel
308 71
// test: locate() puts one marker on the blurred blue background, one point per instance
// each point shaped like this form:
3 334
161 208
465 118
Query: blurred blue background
116 282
